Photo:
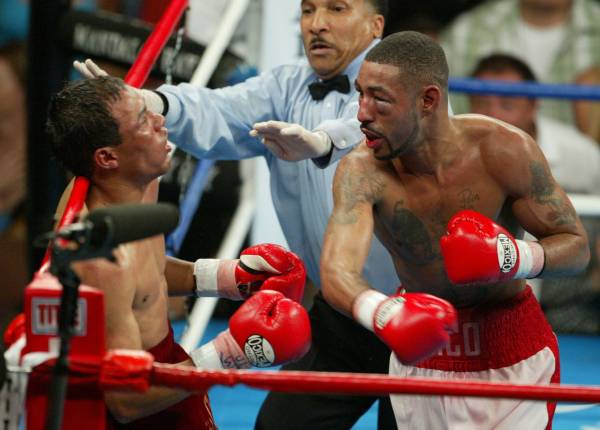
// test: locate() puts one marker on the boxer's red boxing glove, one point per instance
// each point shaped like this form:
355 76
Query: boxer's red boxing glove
272 329
271 267
267 330
260 267
414 325
477 250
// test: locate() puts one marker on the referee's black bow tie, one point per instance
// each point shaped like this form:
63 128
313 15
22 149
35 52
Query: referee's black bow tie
319 89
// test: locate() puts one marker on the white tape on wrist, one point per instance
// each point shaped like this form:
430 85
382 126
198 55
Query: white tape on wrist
364 306
222 352
531 259
206 275
206 357
216 278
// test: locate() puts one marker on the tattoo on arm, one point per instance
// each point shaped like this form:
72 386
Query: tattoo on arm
356 187
542 188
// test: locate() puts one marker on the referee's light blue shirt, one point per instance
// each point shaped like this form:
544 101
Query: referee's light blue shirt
215 124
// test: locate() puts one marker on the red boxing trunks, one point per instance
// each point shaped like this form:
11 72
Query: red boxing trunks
192 413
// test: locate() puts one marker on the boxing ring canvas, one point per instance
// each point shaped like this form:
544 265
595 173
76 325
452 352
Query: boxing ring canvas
579 365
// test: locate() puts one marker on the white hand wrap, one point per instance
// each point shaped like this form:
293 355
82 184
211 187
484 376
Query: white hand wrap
531 259
216 278
223 352
364 306
206 357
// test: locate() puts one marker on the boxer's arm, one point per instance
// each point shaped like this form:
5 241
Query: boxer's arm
180 277
264 266
414 326
349 233
123 331
540 205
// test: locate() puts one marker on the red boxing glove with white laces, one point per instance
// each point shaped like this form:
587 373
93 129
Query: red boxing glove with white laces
260 267
267 330
476 250
414 325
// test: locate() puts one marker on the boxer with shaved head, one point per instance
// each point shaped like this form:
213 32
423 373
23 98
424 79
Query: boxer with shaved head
449 197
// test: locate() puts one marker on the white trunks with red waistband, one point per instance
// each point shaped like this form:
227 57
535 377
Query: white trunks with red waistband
511 342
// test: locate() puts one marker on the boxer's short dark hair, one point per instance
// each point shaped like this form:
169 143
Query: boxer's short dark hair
80 121
419 58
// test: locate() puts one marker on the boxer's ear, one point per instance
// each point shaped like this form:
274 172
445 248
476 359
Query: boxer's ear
431 97
106 158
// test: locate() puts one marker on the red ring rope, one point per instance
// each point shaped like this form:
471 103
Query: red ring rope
364 384
155 43
128 370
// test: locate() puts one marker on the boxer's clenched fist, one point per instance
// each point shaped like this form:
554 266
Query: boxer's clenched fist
477 250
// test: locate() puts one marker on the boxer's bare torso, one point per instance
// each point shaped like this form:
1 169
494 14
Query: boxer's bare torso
413 201
126 171
135 292
150 297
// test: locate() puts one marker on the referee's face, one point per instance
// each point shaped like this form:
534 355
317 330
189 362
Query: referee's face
335 32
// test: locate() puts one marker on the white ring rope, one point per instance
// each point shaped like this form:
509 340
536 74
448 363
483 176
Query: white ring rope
240 225
230 248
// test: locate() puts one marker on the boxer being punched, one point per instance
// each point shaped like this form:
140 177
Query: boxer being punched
448 197
102 129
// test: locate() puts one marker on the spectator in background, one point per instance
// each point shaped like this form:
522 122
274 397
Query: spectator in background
425 16
571 304
587 113
13 243
425 23
558 38
14 27
573 157
12 133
